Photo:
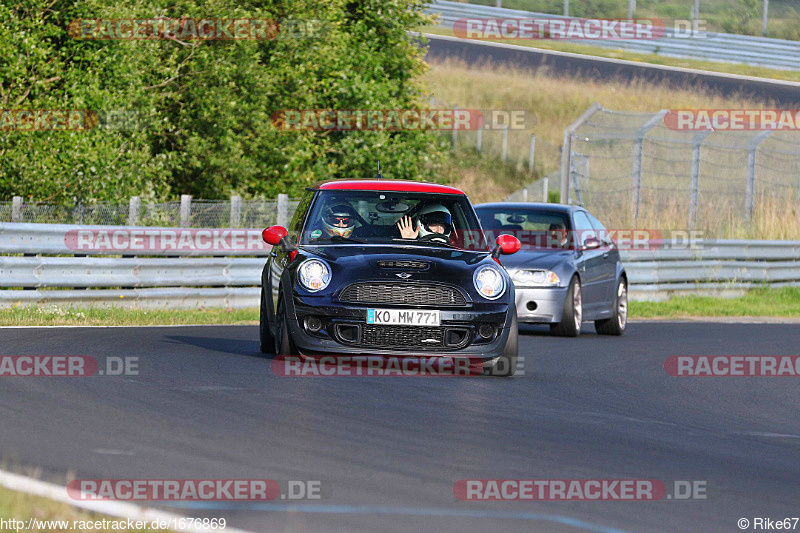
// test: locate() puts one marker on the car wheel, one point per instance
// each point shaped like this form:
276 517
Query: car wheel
266 340
572 316
283 339
506 364
618 324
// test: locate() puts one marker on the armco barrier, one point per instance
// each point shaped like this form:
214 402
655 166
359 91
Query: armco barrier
37 266
725 47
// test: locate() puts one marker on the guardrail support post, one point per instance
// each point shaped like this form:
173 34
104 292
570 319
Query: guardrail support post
566 8
545 189
236 211
283 210
479 142
186 210
750 187
133 211
16 209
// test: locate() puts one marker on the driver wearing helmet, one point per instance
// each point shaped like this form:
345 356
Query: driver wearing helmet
339 220
433 220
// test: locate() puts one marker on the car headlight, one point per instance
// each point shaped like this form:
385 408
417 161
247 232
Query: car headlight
314 275
546 278
489 282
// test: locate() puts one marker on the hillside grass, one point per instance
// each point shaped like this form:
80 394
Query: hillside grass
558 101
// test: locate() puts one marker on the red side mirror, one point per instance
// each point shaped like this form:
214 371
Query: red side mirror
508 244
273 235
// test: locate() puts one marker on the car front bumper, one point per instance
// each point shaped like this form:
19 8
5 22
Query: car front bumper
336 315
540 304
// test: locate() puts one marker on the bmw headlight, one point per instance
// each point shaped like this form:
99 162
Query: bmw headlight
489 282
314 275
543 278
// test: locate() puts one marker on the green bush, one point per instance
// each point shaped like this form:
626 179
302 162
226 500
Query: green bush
205 106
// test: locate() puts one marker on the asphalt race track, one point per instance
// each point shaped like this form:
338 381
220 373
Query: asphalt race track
776 92
206 404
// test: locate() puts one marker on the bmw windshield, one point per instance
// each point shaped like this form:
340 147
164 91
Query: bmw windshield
393 217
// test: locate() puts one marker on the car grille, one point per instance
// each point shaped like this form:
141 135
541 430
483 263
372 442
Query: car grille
401 337
403 293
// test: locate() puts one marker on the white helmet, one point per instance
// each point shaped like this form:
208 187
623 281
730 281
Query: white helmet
434 214
339 220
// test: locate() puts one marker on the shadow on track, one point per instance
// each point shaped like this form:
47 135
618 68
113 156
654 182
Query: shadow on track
245 347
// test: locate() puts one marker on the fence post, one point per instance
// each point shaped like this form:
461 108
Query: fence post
16 209
480 134
532 152
638 151
453 140
566 150
236 211
694 185
504 153
566 8
133 211
283 210
77 211
186 210
545 189
525 194
750 187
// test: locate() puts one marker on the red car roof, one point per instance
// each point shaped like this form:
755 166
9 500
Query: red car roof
389 185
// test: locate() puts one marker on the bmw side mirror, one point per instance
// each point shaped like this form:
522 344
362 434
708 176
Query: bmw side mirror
591 243
506 244
276 235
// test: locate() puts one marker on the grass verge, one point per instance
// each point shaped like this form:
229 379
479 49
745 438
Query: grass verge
766 302
783 302
24 507
110 316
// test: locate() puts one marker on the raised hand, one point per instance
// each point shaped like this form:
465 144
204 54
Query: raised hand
406 228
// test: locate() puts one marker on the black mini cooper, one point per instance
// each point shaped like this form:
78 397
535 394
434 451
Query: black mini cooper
388 267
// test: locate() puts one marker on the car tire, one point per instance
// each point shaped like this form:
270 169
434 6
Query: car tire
572 316
618 324
506 364
266 340
283 338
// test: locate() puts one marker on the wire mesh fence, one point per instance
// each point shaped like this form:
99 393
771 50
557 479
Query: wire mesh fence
632 170
233 213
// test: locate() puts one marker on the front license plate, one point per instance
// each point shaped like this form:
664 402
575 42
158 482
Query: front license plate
402 317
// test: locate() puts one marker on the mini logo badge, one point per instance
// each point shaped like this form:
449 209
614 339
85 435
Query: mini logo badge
404 275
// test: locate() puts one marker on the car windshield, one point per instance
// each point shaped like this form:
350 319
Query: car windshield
393 217
536 228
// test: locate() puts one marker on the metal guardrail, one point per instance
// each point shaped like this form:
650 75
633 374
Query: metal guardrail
729 48
37 266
